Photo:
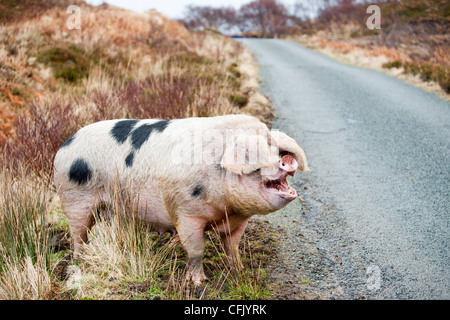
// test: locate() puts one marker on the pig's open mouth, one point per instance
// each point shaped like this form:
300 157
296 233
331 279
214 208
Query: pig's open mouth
281 187
275 186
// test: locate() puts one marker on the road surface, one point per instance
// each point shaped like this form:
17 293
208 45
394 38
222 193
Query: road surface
376 201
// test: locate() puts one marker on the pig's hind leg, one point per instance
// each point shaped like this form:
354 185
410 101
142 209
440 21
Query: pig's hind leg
80 214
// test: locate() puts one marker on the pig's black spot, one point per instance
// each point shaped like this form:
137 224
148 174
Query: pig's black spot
68 141
197 190
80 172
142 133
122 129
129 159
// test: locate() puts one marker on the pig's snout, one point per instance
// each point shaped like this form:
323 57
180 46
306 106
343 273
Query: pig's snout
288 164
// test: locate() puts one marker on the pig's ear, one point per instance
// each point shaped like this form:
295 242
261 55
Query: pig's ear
286 143
246 153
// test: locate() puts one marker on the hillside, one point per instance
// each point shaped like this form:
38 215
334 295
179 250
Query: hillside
413 41
43 62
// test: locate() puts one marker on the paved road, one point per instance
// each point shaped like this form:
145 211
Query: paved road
377 199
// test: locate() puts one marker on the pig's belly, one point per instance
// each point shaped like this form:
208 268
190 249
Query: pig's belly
152 211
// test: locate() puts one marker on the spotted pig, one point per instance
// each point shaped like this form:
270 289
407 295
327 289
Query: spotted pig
190 175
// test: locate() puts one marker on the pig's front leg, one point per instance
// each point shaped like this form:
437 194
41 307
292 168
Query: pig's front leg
230 240
191 231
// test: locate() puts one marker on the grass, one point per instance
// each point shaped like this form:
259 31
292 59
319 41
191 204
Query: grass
11 10
426 71
25 255
393 12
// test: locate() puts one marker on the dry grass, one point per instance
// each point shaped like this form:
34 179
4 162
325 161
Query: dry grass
24 251
41 61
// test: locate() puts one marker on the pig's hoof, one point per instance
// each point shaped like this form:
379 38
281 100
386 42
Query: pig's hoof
196 278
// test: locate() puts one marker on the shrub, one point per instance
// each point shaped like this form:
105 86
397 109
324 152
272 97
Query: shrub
393 64
38 137
69 63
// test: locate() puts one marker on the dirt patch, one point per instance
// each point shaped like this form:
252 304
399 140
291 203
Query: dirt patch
261 242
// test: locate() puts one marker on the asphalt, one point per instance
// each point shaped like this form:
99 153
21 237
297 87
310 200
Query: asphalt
377 199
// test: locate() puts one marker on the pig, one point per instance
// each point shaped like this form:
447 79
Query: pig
191 175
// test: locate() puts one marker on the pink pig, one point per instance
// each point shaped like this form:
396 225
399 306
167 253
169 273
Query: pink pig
191 175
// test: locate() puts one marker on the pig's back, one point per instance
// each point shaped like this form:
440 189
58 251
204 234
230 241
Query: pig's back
138 150
103 149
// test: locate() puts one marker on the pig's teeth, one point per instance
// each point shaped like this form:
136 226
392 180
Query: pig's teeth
279 185
284 184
